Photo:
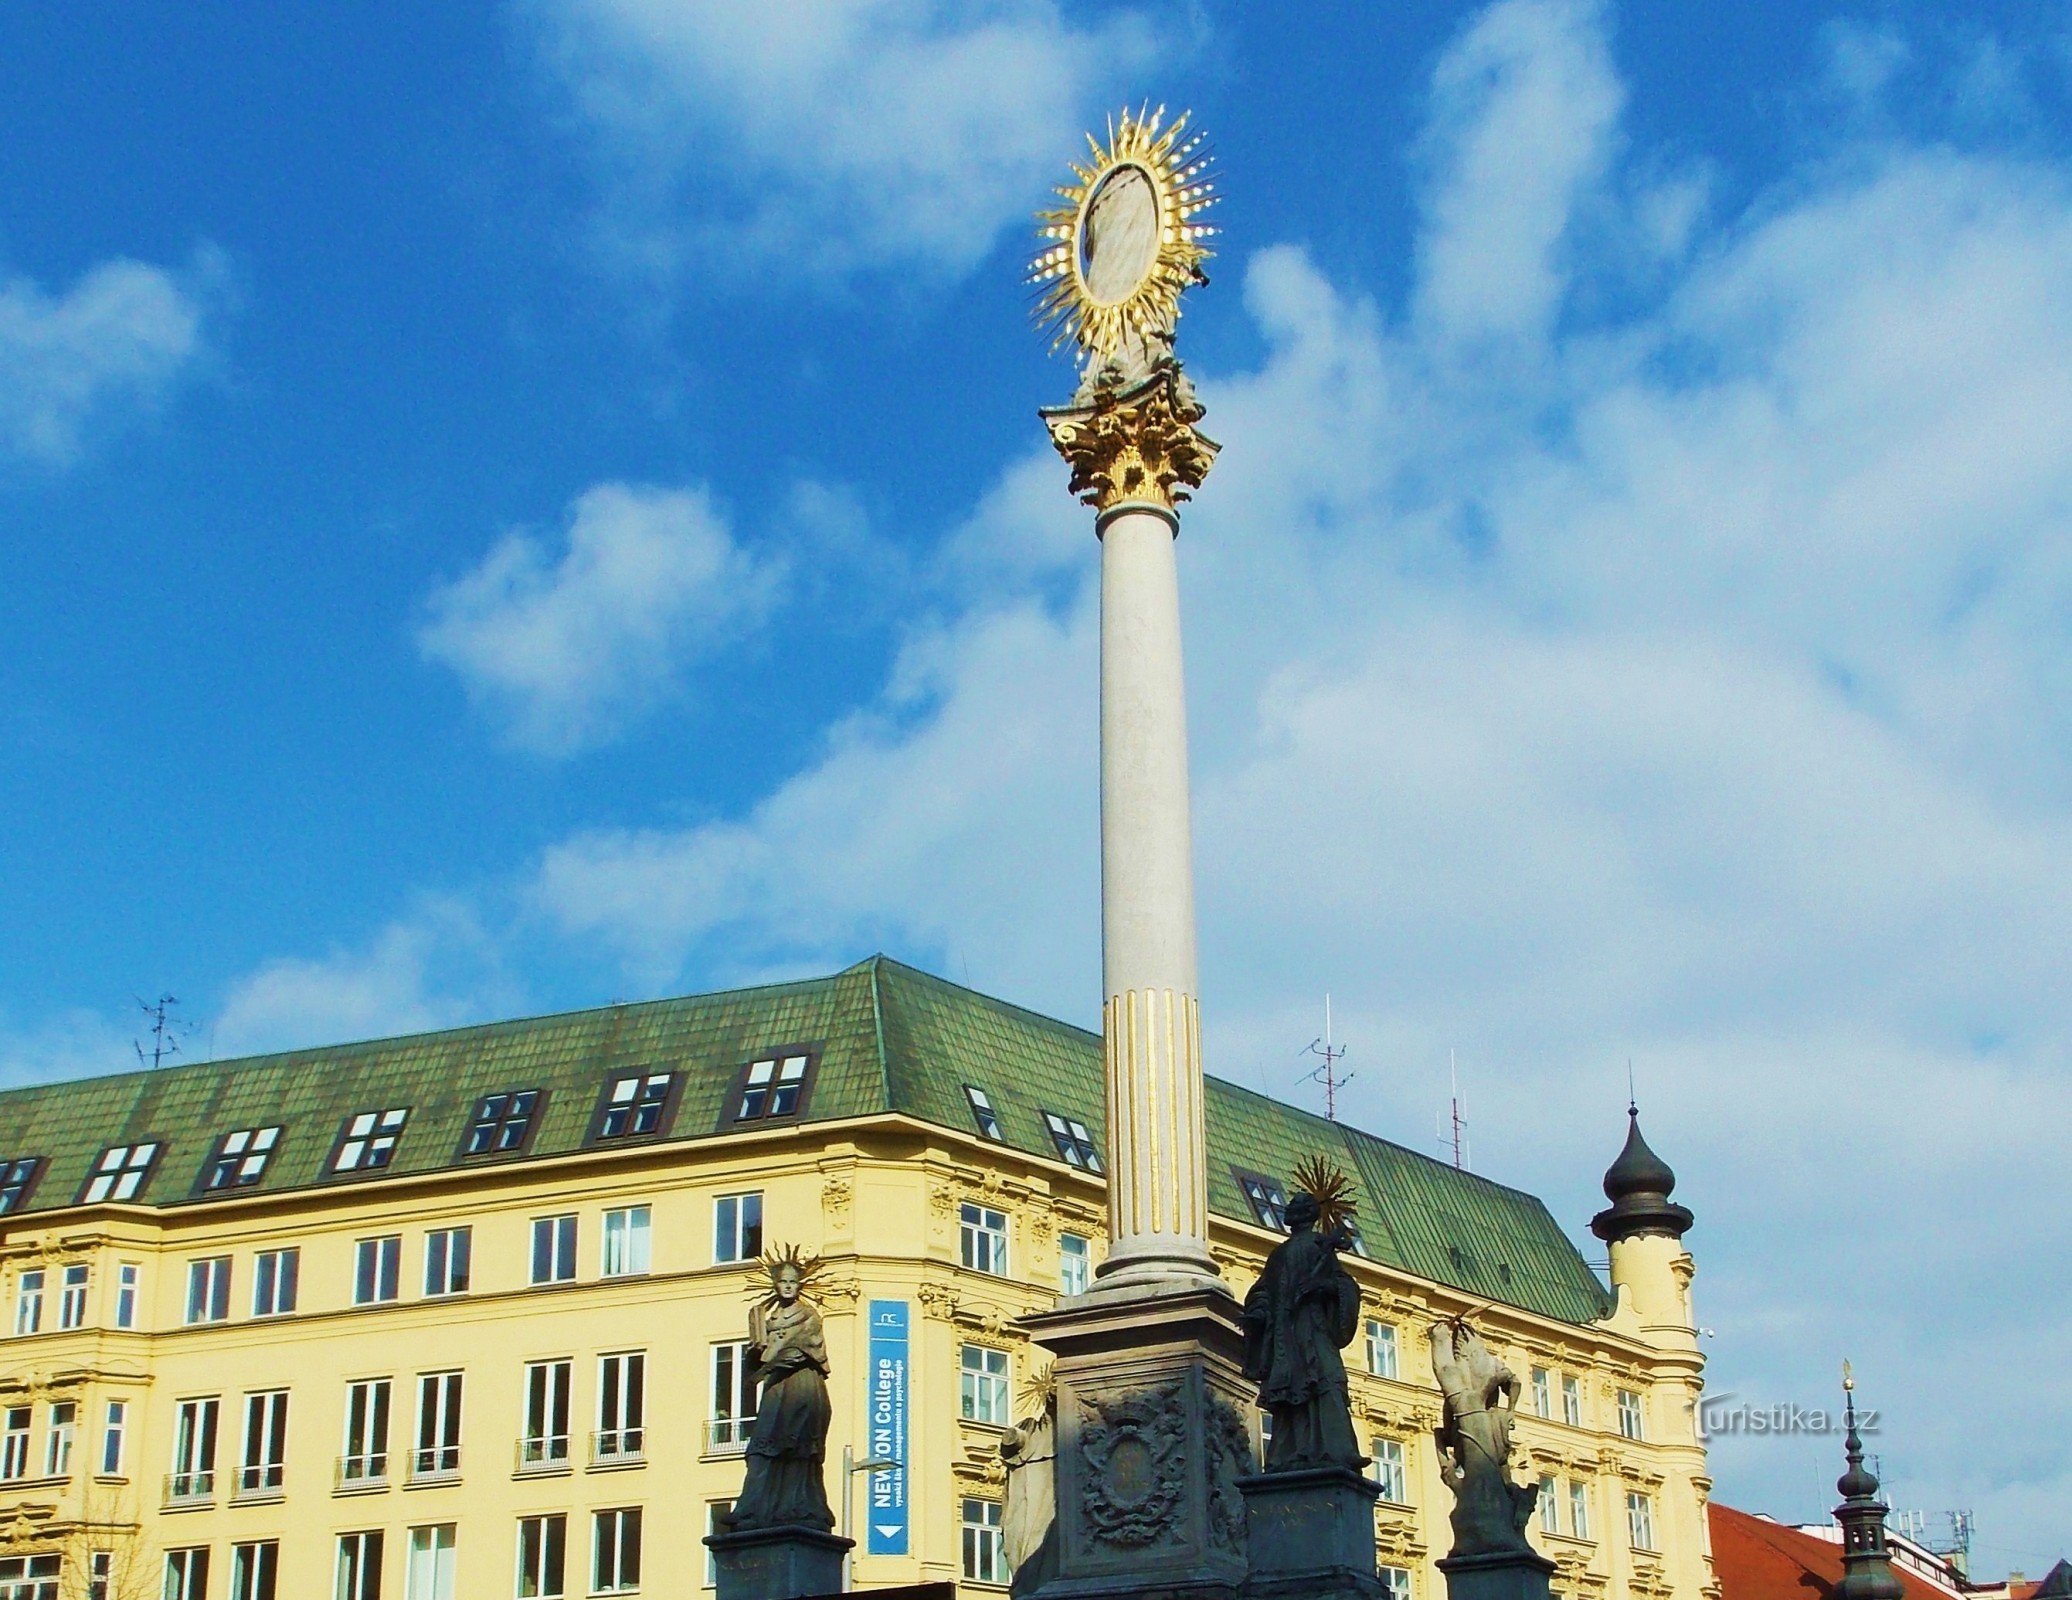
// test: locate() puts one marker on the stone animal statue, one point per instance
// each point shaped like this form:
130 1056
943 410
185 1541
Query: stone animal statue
1490 1512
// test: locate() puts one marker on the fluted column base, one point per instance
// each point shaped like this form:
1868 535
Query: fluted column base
1157 1183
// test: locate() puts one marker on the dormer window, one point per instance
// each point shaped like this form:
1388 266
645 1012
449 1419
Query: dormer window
1074 1143
367 1142
1267 1198
634 1105
983 1114
239 1159
773 1086
502 1123
119 1173
17 1178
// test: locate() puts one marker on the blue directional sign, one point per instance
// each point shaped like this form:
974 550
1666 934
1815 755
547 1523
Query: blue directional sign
888 1399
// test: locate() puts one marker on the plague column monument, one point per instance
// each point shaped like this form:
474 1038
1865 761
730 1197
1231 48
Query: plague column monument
1151 1397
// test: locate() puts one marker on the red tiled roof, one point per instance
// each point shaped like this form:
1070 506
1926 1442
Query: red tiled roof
1757 1559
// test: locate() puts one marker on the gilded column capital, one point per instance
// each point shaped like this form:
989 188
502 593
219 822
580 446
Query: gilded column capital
1135 443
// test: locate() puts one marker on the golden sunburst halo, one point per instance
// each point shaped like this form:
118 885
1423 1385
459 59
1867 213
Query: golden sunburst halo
762 1285
1160 173
1335 1193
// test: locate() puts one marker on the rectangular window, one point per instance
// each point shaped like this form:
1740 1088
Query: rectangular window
114 1425
1571 1402
187 1574
984 1559
983 1239
1075 1263
621 1407
1395 1583
634 1106
366 1458
545 1443
1074 1143
737 1227
239 1159
72 1297
100 1577
542 1557
17 1177
1579 1508
615 1551
367 1142
255 1570
194 1449
983 1114
57 1444
983 1396
29 1577
1630 1415
429 1575
626 1242
128 1275
1542 1392
266 1443
553 1249
14 1441
501 1124
772 1087
119 1173
1549 1504
1381 1349
733 1398
714 1510
208 1290
359 1566
28 1303
438 1426
1389 1471
1640 1521
377 1270
276 1280
1267 1198
447 1252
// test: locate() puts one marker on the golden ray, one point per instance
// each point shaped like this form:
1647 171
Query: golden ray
1333 1191
763 1286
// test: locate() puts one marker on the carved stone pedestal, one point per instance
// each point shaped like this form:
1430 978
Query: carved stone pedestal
778 1563
1152 1443
1311 1535
1508 1575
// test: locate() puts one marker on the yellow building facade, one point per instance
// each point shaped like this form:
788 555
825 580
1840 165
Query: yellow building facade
455 1317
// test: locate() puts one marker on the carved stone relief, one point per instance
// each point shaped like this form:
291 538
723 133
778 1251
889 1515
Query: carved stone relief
1134 1448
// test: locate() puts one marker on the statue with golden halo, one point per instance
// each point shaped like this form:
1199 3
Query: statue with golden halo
787 1448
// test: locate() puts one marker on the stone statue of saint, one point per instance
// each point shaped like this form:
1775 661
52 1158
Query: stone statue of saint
1304 1309
785 1486
1028 1525
1489 1510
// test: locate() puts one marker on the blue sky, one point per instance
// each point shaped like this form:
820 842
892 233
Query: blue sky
545 506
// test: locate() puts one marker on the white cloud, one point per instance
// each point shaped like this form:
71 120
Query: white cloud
824 135
117 339
1711 709
563 648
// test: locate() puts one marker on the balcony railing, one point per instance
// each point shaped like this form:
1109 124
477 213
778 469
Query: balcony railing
369 1471
435 1464
728 1436
618 1447
544 1452
258 1482
190 1488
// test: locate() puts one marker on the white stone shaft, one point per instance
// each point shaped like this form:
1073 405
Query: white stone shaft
1151 1027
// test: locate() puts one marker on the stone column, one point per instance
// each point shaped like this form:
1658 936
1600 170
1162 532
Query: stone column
1134 453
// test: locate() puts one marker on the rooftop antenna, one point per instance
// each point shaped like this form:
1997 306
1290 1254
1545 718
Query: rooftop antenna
1327 1074
166 1029
1632 1100
1453 1127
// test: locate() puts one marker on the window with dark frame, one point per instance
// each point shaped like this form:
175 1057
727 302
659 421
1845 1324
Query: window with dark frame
120 1172
773 1086
17 1178
634 1105
983 1114
1267 1197
367 1142
239 1159
1075 1144
502 1123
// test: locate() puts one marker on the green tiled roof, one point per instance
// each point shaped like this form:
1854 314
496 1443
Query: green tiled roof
888 1038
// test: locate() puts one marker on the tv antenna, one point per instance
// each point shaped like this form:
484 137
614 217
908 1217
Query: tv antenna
1453 1123
166 1030
1328 1074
